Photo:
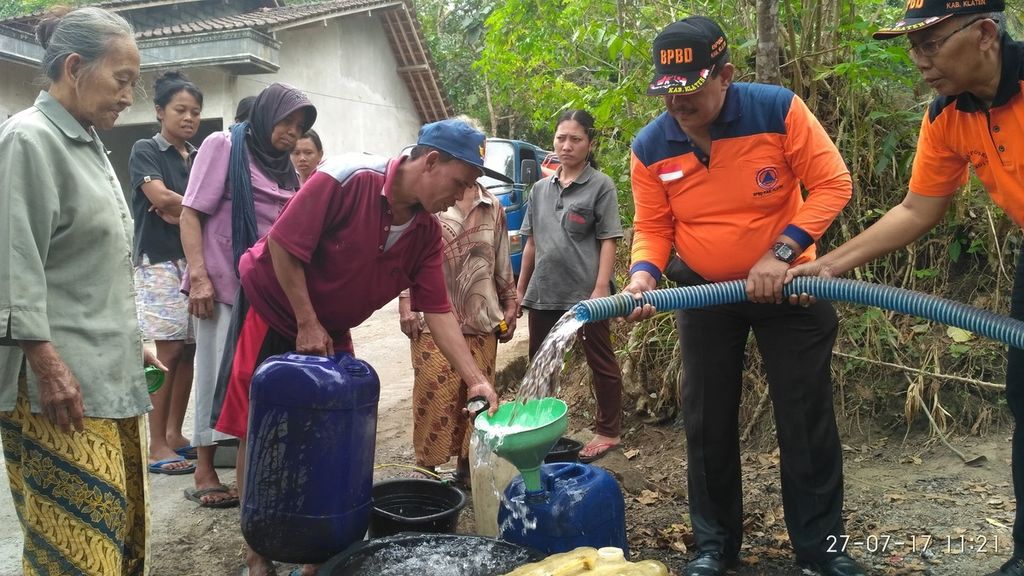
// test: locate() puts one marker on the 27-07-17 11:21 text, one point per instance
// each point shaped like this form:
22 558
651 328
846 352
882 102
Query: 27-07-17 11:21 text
915 544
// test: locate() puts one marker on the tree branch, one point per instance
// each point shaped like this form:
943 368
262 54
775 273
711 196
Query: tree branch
963 379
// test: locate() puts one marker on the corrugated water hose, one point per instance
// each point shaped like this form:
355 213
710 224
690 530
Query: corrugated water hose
989 324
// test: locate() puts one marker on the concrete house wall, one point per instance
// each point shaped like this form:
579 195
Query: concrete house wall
345 65
18 89
348 70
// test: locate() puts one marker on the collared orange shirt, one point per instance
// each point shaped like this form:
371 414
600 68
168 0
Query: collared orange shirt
958 132
723 212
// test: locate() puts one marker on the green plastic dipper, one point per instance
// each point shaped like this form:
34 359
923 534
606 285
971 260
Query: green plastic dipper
524 433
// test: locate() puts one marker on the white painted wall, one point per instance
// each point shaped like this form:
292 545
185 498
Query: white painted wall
18 89
348 70
214 82
345 66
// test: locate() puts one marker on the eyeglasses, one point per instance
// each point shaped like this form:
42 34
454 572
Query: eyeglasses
931 47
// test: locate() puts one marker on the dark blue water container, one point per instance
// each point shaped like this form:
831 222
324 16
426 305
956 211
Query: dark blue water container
309 456
581 505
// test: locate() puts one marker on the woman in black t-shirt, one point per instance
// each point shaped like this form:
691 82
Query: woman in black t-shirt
159 168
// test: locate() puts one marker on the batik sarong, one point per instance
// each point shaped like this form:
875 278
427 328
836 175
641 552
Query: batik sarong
80 497
440 430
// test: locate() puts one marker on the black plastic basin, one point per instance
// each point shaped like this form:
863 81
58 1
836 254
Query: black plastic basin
415 505
565 450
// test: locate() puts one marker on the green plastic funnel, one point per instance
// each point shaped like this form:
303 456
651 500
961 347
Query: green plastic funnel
524 433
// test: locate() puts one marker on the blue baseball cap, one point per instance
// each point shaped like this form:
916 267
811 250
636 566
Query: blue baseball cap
461 141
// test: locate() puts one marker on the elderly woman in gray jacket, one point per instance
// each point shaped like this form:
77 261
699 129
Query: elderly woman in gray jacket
71 420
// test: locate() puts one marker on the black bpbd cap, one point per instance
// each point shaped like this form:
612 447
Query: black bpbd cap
922 14
685 54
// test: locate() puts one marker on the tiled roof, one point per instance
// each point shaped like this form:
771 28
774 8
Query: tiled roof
267 19
415 64
114 5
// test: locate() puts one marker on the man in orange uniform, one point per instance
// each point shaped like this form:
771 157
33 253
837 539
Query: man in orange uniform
977 120
717 177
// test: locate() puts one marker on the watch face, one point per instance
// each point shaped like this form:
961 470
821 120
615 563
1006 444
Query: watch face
783 252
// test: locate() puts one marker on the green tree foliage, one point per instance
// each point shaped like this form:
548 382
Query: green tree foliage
455 34
10 8
533 59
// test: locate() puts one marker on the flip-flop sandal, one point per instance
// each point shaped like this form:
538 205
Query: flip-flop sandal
602 449
453 478
197 497
421 475
187 452
158 467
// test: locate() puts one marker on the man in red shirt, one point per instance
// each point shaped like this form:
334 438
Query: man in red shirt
976 122
717 179
356 234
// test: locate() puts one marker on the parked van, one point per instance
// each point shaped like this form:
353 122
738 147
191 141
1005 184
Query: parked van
549 165
520 161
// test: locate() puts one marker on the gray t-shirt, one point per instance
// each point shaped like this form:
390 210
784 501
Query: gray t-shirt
567 226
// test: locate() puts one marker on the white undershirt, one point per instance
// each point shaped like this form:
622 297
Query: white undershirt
395 233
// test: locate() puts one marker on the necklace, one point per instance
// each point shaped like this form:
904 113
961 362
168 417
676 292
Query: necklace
567 181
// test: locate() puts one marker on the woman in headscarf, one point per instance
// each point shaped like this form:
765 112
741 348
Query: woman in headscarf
482 292
240 181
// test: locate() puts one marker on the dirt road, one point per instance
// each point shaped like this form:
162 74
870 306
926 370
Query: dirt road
190 541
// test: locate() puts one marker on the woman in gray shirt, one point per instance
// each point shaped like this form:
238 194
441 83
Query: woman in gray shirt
71 421
572 226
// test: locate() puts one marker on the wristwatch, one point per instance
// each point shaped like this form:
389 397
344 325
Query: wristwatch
784 252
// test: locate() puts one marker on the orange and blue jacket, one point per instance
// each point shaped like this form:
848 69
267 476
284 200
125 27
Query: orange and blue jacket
958 132
722 212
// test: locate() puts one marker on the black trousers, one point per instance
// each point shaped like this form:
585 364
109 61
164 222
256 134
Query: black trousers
796 345
1015 399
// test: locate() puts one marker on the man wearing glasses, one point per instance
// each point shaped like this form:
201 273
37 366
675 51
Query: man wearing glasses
962 51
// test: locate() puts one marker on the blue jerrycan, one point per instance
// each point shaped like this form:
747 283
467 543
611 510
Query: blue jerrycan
580 505
309 456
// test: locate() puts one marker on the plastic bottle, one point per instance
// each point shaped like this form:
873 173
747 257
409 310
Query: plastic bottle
570 563
579 505
154 378
610 556
586 561
490 474
642 568
612 562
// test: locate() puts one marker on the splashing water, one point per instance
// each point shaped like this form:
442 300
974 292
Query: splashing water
540 381
460 557
519 510
541 378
